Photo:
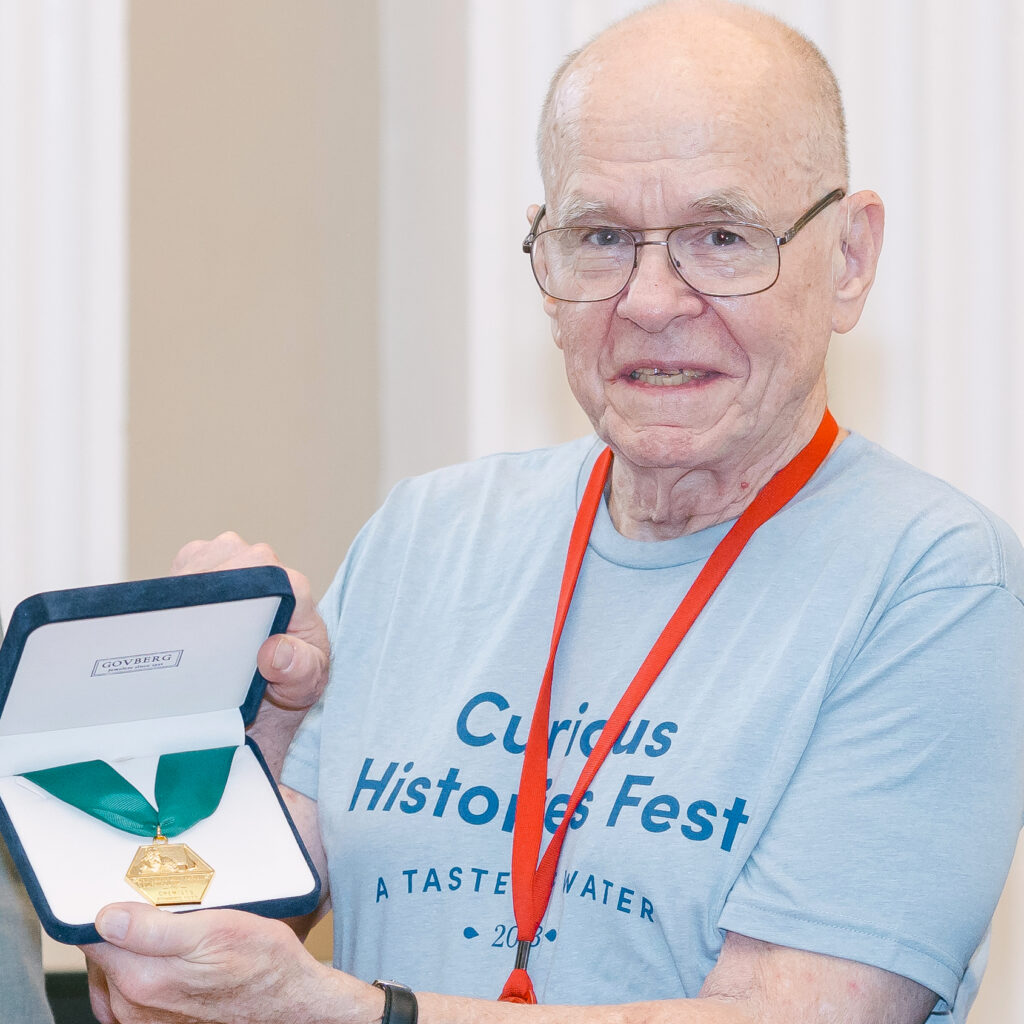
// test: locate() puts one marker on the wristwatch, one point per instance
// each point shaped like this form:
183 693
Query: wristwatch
399 1003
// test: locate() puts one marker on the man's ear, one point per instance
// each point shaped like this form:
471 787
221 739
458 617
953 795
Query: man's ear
856 259
550 305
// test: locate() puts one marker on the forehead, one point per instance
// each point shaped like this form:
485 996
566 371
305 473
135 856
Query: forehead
638 123
626 172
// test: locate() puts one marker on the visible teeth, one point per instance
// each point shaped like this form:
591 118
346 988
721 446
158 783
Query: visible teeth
666 378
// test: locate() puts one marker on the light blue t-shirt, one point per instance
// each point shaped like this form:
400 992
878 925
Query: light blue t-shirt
830 761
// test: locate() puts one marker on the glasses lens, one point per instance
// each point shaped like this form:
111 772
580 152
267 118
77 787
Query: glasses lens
584 264
725 258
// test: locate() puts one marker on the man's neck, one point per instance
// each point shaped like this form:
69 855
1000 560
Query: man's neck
663 503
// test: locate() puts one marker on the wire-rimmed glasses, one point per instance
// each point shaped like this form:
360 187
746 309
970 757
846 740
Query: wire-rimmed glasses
718 258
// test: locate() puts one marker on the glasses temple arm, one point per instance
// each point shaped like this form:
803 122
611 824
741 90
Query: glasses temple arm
834 196
528 240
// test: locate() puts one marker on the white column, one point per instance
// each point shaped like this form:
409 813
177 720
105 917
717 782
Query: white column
62 294
518 397
467 363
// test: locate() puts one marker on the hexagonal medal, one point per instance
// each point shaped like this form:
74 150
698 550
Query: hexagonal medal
169 874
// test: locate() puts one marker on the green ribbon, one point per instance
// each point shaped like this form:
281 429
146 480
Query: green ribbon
188 788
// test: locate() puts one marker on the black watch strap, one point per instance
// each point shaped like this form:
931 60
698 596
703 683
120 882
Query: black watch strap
399 1003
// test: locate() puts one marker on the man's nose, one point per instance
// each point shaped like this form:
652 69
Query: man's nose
656 294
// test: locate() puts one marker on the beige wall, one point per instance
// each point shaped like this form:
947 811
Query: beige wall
252 290
253 255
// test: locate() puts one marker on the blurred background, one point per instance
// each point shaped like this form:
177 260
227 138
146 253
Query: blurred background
259 259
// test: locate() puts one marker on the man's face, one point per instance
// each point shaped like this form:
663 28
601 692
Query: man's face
736 374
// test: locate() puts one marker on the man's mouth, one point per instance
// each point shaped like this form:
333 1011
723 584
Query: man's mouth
667 377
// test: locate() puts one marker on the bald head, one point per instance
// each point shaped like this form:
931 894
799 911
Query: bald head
685 63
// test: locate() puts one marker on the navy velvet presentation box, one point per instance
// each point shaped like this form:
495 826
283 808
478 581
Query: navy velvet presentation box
123 674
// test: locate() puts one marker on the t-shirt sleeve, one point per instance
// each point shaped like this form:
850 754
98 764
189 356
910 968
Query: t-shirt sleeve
301 770
892 842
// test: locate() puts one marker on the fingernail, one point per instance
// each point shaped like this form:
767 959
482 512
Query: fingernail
284 655
113 924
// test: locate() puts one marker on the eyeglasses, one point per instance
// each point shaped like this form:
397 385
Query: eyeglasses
719 258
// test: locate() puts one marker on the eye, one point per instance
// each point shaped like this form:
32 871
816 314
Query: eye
718 240
604 237
721 237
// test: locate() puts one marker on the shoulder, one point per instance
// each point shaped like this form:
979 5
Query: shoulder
501 487
932 533
493 511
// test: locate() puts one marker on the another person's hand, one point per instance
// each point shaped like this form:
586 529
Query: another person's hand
214 965
294 664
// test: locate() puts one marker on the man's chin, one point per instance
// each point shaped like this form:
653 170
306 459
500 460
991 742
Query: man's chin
661 446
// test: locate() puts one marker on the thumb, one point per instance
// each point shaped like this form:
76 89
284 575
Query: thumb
151 932
295 671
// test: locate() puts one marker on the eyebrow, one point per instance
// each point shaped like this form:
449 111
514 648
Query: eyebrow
574 208
725 204
730 203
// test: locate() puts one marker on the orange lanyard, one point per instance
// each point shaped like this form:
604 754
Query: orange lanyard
533 876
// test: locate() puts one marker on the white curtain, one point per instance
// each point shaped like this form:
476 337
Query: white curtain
935 98
62 285
62 303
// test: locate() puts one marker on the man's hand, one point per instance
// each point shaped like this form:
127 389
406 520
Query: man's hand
294 664
227 966
214 965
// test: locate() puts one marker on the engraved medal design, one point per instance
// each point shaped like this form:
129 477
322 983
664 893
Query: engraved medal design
169 874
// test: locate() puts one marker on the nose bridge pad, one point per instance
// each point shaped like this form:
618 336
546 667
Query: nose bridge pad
643 242
668 256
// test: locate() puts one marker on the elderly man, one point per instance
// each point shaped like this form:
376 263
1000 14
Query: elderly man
798 800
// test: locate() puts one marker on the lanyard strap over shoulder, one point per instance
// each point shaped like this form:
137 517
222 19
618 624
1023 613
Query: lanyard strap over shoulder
533 875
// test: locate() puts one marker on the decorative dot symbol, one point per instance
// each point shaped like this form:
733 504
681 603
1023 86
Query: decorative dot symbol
551 935
470 933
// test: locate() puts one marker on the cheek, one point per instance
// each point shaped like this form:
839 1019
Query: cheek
578 330
783 333
580 333
810 302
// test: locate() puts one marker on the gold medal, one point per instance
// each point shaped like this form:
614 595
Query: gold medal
169 874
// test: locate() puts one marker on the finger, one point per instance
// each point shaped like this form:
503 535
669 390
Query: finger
99 994
295 666
127 1011
243 557
219 554
143 929
229 551
296 671
306 622
207 555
